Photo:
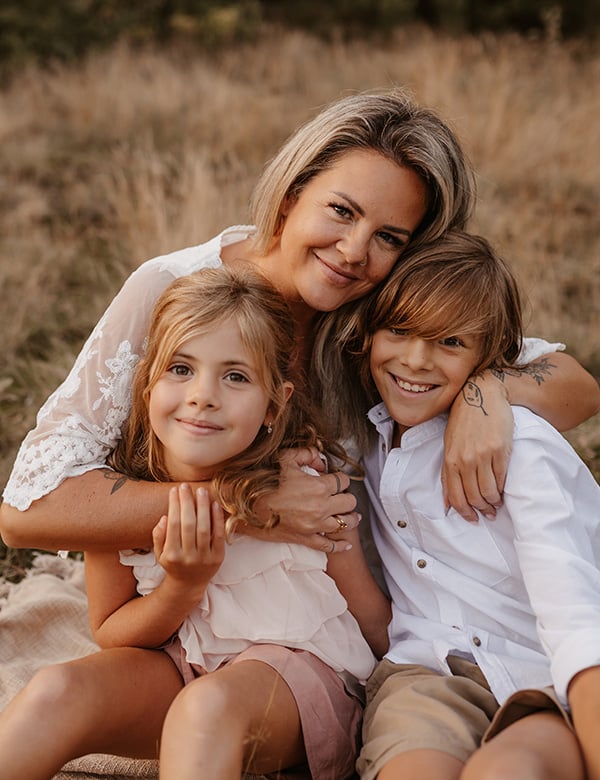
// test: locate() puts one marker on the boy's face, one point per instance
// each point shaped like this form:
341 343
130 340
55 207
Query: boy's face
420 378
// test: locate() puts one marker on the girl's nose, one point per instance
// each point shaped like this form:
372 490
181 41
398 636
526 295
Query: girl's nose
203 392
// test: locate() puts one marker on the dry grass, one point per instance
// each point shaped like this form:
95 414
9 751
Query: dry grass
136 152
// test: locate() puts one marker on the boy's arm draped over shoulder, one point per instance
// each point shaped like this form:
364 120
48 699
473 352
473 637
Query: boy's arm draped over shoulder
478 437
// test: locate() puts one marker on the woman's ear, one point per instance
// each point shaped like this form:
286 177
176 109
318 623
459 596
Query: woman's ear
288 389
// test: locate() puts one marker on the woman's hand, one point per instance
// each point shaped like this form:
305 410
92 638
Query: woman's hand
306 507
478 443
189 542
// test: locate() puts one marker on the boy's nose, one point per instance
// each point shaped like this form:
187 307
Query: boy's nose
417 353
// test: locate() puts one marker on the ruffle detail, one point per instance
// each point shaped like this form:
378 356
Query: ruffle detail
267 593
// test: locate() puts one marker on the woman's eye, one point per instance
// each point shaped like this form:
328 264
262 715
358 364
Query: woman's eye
392 240
341 210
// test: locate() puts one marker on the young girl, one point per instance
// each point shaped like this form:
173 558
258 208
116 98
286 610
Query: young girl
496 624
258 633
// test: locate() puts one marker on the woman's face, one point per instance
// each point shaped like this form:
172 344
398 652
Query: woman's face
345 230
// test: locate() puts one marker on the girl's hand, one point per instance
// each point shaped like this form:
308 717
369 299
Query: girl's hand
478 443
305 506
189 543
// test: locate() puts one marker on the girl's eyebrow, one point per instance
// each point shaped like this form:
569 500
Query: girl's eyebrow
361 211
233 362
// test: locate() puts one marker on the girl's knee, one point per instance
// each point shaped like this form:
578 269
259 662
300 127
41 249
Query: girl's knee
207 698
50 687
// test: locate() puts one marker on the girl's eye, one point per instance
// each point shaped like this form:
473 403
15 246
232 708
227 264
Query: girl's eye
179 369
235 376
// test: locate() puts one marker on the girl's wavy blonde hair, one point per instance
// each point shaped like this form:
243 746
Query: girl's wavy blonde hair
455 286
196 304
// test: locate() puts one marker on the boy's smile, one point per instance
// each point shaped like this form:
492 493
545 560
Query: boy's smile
419 378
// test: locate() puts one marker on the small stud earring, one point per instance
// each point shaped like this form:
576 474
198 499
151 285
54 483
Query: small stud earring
269 427
363 262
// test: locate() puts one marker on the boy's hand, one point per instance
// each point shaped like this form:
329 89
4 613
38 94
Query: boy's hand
189 543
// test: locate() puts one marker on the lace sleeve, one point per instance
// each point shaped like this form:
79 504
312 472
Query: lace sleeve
81 421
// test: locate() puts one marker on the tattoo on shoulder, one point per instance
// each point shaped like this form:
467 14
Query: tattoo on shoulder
537 370
118 479
473 395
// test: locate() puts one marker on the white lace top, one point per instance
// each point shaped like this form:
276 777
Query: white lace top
81 421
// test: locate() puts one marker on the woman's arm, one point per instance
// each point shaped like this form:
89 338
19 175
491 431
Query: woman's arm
366 602
103 510
478 437
189 545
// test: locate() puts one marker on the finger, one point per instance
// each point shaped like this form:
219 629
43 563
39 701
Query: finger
218 530
456 496
338 523
341 482
187 517
331 546
203 520
173 530
159 534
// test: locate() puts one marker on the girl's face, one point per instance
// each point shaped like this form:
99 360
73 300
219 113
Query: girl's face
364 208
420 378
209 405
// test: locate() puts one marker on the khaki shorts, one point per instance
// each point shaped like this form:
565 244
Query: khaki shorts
410 707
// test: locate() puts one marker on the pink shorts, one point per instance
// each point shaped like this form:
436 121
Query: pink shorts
330 716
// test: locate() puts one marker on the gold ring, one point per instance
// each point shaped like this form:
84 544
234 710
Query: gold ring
342 524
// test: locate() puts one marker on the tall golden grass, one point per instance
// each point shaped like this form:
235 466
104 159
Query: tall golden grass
138 152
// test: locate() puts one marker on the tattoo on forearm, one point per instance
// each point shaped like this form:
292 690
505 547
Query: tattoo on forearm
537 370
118 479
473 395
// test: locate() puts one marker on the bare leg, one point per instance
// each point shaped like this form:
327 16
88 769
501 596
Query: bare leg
242 717
114 701
538 747
421 765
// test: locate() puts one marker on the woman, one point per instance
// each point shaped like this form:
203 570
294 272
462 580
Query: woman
333 212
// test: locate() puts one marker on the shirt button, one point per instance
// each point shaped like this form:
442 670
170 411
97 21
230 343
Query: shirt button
421 563
477 641
402 523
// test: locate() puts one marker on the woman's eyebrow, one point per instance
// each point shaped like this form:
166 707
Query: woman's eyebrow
361 211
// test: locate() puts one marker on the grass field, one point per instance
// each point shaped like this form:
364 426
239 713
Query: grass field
137 152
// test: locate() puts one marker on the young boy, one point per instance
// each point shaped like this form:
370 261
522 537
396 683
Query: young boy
494 641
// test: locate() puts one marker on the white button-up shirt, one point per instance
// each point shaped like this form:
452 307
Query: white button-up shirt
519 594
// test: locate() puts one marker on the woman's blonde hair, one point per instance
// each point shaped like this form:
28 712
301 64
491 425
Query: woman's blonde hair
196 304
389 123
455 286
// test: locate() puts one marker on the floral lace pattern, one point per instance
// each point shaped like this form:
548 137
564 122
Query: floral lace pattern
81 421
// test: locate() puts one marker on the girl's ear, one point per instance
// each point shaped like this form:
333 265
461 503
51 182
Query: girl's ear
287 388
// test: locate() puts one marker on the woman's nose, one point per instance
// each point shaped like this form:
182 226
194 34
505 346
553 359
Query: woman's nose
354 246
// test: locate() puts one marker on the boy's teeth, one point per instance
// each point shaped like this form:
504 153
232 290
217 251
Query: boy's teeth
413 388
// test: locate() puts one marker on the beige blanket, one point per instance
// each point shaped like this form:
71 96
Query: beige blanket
43 620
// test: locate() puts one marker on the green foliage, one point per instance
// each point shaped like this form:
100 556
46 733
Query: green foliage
67 29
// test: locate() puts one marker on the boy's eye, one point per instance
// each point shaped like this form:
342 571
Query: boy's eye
452 341
398 331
